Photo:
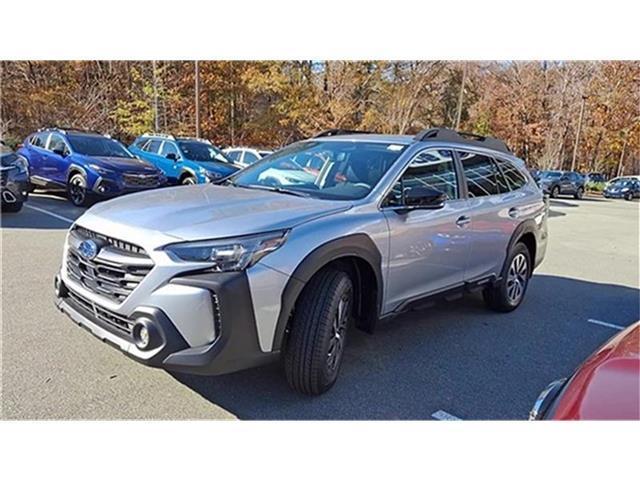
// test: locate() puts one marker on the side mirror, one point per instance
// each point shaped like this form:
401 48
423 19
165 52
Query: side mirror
60 151
423 198
172 156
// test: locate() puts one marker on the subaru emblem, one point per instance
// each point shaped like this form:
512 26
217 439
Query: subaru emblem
88 249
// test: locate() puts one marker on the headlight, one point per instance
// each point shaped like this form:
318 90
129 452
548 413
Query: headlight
21 164
211 176
100 170
625 189
228 255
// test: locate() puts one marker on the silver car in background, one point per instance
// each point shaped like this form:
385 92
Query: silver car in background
216 278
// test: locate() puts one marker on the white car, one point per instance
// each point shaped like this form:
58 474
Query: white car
244 156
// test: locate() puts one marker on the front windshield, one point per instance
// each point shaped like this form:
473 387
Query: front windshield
550 174
623 183
95 146
341 170
201 152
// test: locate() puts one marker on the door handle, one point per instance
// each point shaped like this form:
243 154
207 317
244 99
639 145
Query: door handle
514 212
463 220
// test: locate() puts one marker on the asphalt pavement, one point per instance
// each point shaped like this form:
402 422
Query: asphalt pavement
453 360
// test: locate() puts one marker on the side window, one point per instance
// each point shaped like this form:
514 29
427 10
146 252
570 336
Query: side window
250 157
141 142
515 179
168 148
153 146
40 140
234 155
481 174
431 168
56 142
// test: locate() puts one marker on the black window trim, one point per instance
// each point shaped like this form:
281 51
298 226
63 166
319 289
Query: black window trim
491 156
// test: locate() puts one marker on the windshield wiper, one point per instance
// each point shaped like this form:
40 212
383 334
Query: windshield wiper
271 189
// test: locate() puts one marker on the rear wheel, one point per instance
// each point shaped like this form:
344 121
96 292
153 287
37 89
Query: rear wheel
507 294
318 334
579 193
77 190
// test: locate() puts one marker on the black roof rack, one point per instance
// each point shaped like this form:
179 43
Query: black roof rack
449 135
338 131
69 129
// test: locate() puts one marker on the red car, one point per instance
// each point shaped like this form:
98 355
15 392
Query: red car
605 387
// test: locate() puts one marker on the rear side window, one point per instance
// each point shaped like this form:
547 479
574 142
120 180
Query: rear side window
39 140
153 146
514 177
140 143
481 174
234 155
250 158
432 168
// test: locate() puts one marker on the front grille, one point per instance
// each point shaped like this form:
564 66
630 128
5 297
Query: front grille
134 180
119 244
114 273
4 176
119 322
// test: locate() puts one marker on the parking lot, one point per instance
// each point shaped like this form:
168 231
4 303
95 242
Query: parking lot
452 360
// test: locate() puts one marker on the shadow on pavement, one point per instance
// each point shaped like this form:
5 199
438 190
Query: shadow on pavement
464 359
40 212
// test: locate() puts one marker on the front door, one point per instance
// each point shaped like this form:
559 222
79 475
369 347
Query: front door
428 248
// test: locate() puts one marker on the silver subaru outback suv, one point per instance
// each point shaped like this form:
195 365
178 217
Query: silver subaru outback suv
283 257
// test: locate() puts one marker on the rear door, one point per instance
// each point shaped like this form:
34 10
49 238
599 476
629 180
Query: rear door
428 248
494 212
36 148
56 165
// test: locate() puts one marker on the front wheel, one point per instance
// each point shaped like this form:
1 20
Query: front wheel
555 191
77 190
507 294
579 193
628 196
188 180
318 334
12 207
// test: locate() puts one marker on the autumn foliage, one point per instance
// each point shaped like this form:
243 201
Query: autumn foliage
533 106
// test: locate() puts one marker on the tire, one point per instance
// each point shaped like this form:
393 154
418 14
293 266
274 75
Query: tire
628 196
77 190
14 207
315 345
579 193
555 191
507 294
188 180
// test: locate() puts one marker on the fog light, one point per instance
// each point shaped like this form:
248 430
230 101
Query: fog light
59 288
145 334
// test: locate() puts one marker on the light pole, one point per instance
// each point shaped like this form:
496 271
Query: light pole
197 100
575 146
461 96
155 96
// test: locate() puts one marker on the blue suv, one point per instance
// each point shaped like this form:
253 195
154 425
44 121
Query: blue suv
86 164
185 161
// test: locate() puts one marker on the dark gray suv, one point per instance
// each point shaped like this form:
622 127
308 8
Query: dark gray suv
338 230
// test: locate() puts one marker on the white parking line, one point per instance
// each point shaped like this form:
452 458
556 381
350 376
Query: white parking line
442 415
605 324
51 214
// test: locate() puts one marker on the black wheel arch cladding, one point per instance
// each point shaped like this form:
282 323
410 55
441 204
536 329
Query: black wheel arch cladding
356 247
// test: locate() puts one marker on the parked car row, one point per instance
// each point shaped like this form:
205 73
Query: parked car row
562 182
89 166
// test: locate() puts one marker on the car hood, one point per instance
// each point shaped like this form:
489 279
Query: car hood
129 165
202 212
219 167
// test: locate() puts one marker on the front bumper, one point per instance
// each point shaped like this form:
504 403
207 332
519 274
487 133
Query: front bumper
541 408
617 194
108 187
15 188
236 346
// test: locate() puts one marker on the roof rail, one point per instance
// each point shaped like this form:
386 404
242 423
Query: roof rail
462 137
338 131
158 134
197 139
64 129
